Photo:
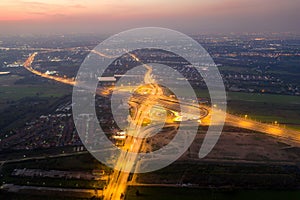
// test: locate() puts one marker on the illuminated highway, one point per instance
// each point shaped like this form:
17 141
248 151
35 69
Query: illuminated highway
136 135
142 103
27 65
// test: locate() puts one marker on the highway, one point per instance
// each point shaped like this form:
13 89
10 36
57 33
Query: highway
288 135
27 65
136 135
119 180
142 103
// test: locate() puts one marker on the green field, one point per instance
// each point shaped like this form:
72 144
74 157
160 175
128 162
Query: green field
9 91
234 69
266 98
252 97
14 93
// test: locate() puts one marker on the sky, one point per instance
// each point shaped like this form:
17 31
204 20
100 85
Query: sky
111 16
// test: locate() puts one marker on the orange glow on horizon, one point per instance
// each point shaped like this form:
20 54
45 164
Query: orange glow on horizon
65 9
69 16
193 16
114 9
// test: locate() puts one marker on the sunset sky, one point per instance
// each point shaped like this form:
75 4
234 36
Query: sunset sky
109 16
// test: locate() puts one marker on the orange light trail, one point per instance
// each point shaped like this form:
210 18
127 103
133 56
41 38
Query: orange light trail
102 54
148 76
69 81
27 65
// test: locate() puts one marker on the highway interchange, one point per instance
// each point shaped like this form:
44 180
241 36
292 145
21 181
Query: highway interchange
142 103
